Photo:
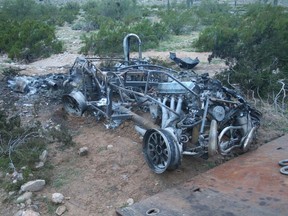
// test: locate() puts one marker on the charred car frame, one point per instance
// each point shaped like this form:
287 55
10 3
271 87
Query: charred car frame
190 114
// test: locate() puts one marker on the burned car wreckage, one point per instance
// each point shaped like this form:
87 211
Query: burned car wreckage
189 114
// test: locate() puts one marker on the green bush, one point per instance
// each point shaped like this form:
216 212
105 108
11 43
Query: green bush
28 40
22 145
254 44
108 40
20 10
69 12
179 21
97 12
209 11
27 29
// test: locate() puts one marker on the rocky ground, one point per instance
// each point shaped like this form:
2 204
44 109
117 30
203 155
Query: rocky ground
112 173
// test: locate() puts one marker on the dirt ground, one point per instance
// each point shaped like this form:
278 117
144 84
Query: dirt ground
114 169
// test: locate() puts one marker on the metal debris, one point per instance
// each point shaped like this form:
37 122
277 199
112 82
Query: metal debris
186 63
190 114
32 84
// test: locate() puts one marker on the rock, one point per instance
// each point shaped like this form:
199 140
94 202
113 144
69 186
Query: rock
43 156
19 213
58 127
11 193
39 165
60 210
34 207
28 202
30 212
57 198
7 176
109 146
36 185
83 151
17 176
1 174
24 197
130 201
22 205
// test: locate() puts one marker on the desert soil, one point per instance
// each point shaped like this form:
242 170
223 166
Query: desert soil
114 169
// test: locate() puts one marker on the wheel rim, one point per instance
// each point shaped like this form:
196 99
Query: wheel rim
157 150
161 150
74 103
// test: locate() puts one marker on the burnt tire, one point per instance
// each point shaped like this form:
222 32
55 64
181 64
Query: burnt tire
283 162
74 103
284 170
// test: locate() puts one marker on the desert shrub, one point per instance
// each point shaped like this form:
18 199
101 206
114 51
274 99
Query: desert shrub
209 11
27 29
120 10
254 46
108 40
28 40
63 136
22 145
179 21
19 10
97 12
69 12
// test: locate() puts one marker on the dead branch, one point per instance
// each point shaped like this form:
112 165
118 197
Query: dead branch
278 95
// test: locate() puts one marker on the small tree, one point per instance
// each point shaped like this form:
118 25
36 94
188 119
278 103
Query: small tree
28 40
254 45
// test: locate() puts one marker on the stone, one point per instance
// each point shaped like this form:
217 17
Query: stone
30 212
34 207
28 202
43 156
22 205
24 197
7 176
57 198
60 210
19 213
17 176
1 174
39 165
36 185
130 201
11 193
109 146
83 151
